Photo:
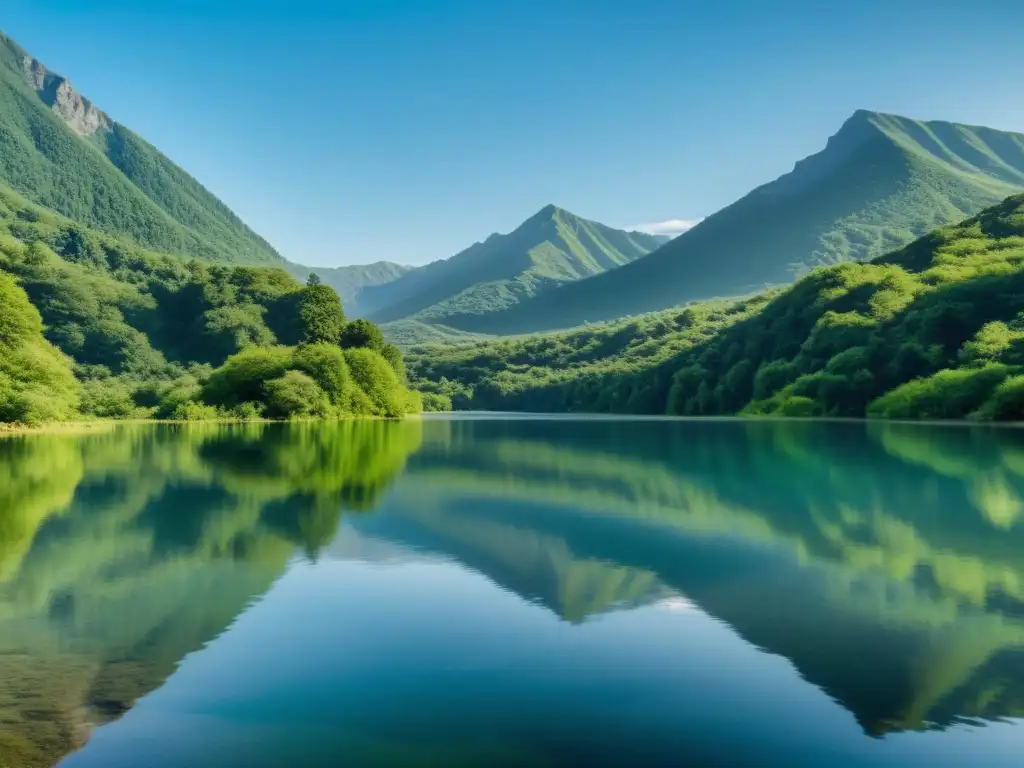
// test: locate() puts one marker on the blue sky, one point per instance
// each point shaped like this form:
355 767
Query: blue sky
351 131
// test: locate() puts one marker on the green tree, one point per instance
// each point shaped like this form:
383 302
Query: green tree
378 381
320 313
36 382
362 334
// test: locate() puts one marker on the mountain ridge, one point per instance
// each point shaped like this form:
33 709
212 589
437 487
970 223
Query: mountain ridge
880 182
60 150
551 247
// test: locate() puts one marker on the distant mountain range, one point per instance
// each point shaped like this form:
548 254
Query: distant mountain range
551 248
880 182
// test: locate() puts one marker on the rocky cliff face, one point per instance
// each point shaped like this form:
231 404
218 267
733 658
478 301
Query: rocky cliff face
79 113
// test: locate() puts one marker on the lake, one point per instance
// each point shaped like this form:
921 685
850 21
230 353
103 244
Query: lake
513 591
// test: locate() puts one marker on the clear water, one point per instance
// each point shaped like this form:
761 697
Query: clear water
481 591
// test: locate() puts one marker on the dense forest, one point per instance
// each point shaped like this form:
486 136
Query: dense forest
933 330
152 335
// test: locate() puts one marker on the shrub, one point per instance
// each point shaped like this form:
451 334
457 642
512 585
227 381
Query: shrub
948 394
1006 403
243 376
326 365
193 411
434 402
295 394
36 382
378 381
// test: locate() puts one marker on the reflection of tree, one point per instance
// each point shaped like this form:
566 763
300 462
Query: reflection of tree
35 482
899 555
122 551
303 475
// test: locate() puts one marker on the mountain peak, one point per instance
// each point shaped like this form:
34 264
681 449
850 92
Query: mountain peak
54 90
549 211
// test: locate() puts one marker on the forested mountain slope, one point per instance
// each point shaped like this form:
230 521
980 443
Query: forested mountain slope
142 331
934 330
60 151
551 248
881 181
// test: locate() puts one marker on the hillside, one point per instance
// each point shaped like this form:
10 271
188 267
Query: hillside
933 330
142 331
61 151
551 248
880 182
349 281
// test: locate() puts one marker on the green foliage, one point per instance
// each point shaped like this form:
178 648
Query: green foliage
109 398
192 411
948 394
436 403
243 378
36 382
309 380
930 331
108 303
361 334
112 179
326 365
295 394
379 382
395 359
1006 403
320 313
145 330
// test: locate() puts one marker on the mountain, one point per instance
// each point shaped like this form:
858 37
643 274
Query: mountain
551 248
59 150
349 281
880 182
934 330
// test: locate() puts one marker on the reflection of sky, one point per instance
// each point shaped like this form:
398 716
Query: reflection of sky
341 653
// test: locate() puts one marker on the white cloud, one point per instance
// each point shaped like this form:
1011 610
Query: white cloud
671 227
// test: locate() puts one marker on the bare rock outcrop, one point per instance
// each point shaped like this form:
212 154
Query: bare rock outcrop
81 115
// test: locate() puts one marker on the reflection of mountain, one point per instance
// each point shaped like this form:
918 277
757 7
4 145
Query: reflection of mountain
121 552
886 562
537 566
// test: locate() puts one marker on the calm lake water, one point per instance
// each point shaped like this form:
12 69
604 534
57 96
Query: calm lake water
485 591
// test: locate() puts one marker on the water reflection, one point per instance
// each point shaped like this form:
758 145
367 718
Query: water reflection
122 551
884 562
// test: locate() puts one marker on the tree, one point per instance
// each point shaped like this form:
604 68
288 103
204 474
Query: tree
36 383
362 334
320 314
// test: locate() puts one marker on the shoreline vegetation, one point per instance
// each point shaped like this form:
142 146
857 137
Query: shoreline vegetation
93 327
95 426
